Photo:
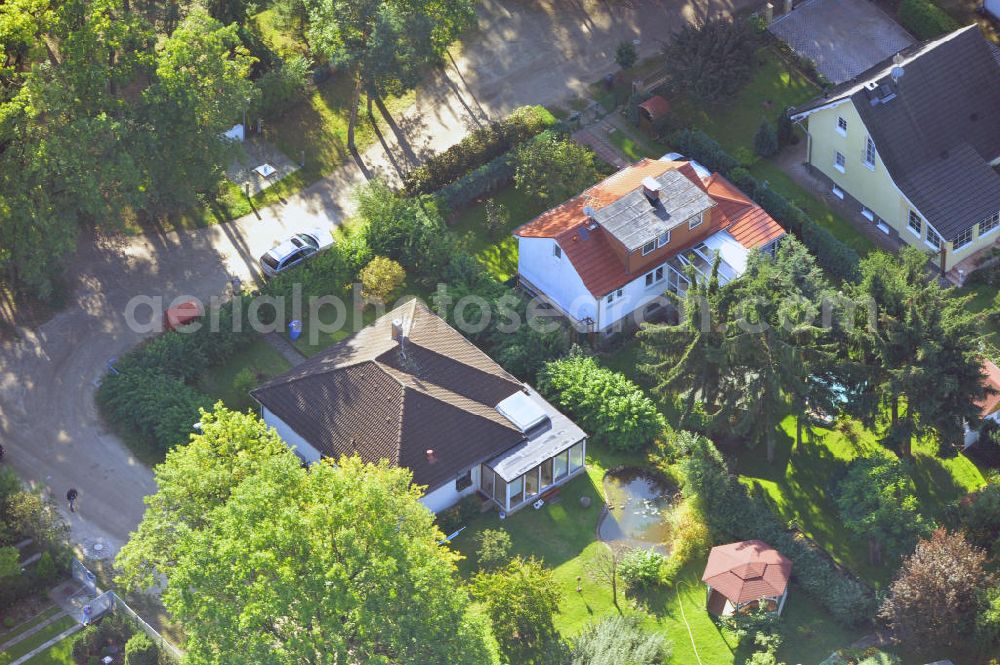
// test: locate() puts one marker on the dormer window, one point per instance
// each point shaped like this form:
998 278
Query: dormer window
696 220
648 247
664 239
557 251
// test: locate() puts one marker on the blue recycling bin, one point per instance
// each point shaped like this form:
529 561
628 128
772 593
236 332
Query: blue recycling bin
295 329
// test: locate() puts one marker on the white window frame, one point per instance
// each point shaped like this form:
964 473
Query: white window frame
920 223
962 240
933 240
614 295
838 192
841 126
649 247
695 222
993 221
653 277
867 213
557 252
664 239
870 152
839 161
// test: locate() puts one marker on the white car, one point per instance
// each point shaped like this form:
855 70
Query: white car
294 251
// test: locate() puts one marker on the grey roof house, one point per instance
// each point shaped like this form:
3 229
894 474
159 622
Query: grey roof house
412 390
913 143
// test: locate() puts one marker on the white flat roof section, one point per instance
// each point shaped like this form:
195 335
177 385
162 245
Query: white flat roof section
733 253
545 441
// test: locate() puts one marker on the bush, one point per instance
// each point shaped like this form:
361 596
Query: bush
381 277
925 19
244 381
497 218
625 54
493 547
478 148
140 650
10 562
553 168
481 181
618 640
45 570
454 518
640 568
283 86
611 408
765 141
161 408
734 513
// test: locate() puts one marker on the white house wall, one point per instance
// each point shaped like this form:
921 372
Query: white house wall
635 295
447 496
291 437
556 278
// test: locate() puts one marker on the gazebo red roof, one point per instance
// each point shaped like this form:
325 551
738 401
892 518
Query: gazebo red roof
747 571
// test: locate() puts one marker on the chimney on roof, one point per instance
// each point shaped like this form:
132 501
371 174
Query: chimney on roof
430 456
651 188
397 332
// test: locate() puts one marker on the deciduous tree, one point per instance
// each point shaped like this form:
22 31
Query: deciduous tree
267 562
553 168
933 602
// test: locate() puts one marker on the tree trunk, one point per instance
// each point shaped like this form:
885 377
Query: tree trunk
355 102
874 552
770 447
614 590
895 410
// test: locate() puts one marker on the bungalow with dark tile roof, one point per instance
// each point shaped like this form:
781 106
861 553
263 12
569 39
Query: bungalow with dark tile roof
412 390
610 254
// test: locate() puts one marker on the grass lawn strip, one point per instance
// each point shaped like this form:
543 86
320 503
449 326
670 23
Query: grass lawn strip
37 639
24 626
260 357
39 653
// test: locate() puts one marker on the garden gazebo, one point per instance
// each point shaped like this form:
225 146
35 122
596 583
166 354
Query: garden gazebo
744 576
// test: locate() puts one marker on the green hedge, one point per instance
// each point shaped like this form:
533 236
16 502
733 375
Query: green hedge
478 148
149 392
832 255
611 408
925 19
735 513
479 182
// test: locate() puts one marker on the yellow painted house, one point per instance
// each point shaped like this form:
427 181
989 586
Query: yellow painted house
913 143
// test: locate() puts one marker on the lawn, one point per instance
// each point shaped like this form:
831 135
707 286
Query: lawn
14 631
801 484
260 357
562 534
499 252
58 654
36 640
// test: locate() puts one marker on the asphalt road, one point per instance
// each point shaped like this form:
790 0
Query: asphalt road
523 53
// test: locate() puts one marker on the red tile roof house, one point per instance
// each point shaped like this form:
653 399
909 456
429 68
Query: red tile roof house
411 389
743 576
610 253
989 406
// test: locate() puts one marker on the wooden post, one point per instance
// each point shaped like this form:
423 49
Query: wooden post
788 6
768 13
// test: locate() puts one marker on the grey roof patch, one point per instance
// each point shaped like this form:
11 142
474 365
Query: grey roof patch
634 220
543 442
843 37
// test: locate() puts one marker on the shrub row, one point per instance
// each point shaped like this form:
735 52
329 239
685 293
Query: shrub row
832 255
149 391
478 148
734 513
611 408
925 19
484 180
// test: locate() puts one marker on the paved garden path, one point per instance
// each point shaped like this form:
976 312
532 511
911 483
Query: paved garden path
20 637
524 52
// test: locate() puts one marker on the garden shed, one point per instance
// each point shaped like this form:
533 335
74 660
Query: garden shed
651 111
744 576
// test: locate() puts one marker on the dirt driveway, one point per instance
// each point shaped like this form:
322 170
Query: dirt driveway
525 52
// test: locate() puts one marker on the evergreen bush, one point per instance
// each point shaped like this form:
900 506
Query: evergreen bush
925 19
